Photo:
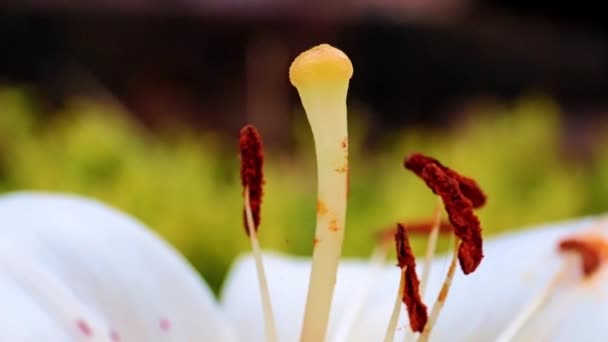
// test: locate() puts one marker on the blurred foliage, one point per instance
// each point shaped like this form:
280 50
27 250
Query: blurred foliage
186 186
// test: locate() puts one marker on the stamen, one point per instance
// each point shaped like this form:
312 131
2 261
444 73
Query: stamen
433 227
252 160
460 212
411 295
430 253
592 251
469 188
460 195
443 294
321 76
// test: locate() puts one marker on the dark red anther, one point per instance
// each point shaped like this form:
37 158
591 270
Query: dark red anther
252 176
469 187
416 309
593 251
460 213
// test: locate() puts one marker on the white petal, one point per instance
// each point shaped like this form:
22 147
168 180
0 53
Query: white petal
288 283
24 318
515 268
107 269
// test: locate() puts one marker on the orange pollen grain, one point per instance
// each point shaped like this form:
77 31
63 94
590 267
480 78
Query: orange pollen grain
344 143
321 208
333 225
443 293
315 242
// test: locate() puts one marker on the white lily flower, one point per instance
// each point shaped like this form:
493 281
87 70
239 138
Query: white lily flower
76 270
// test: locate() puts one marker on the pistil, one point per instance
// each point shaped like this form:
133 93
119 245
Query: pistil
321 76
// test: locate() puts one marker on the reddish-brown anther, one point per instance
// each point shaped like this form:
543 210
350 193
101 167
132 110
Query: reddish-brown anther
469 187
416 309
592 252
252 176
460 213
405 256
423 227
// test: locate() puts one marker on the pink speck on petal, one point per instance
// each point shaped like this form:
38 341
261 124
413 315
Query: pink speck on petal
84 327
165 324
114 336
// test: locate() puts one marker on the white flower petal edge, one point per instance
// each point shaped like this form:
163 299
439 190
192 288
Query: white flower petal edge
479 306
73 269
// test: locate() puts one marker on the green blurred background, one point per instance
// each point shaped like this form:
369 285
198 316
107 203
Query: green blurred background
184 184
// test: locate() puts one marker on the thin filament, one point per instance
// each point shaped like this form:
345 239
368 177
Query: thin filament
443 293
271 332
534 306
431 247
392 324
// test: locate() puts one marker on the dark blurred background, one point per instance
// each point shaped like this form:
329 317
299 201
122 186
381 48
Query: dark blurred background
212 62
514 92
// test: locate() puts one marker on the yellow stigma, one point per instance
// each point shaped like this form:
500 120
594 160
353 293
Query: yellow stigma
322 62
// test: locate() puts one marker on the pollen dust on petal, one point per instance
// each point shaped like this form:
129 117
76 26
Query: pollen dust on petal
341 169
344 143
333 225
321 208
315 242
84 327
